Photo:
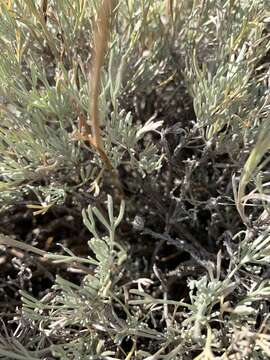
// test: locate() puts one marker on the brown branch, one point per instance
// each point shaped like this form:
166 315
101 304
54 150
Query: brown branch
101 38
169 9
92 133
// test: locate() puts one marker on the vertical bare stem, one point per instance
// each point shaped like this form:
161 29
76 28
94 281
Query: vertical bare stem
169 9
101 38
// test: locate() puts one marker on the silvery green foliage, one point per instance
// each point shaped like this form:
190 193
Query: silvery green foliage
224 46
106 250
221 44
44 89
123 140
255 250
88 305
